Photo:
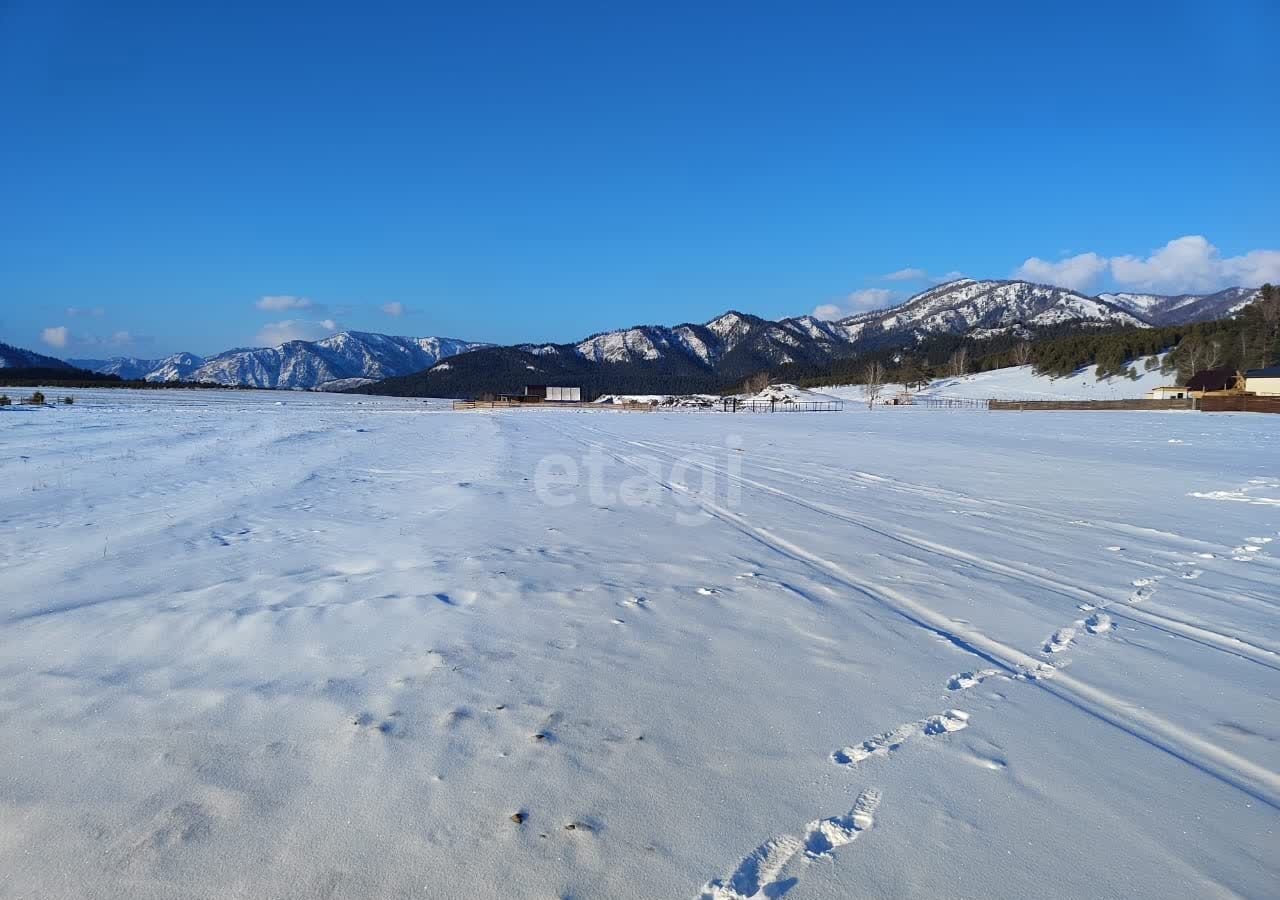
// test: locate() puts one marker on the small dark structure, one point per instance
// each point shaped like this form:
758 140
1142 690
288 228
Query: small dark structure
1208 380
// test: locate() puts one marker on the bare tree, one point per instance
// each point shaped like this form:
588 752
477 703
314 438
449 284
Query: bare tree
873 382
959 364
1191 354
1215 354
1022 354
756 383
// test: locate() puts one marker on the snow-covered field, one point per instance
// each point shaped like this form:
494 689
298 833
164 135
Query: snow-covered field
265 646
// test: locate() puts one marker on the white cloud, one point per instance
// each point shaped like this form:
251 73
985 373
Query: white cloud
281 302
953 275
1254 269
1080 272
96 312
55 337
908 274
1190 264
1185 265
858 301
120 338
275 333
394 309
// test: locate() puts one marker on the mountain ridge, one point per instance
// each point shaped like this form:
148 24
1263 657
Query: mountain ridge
733 344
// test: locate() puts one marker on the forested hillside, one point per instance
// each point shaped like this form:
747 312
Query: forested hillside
1250 339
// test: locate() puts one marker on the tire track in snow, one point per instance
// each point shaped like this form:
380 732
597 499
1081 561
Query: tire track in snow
1249 777
946 495
1216 640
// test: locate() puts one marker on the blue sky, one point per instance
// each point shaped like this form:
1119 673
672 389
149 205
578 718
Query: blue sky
174 178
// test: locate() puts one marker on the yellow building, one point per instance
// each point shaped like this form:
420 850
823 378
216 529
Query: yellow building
1263 382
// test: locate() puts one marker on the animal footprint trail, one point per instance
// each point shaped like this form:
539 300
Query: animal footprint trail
759 875
889 741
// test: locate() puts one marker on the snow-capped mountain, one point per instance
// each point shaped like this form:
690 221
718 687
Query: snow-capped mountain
705 343
734 345
710 344
965 306
344 360
343 356
179 367
958 307
1183 309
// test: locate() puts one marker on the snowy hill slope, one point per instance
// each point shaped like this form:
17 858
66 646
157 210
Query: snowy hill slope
1022 383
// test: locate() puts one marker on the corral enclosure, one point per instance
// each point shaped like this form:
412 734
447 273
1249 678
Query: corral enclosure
297 645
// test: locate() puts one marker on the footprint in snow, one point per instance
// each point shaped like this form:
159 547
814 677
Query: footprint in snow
962 681
707 592
1145 588
889 741
1060 640
825 835
1098 623
760 873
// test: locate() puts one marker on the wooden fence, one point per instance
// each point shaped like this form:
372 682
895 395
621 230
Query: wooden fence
1240 403
946 403
1030 405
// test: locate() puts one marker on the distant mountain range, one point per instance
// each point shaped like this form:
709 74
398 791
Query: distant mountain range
731 346
707 356
343 360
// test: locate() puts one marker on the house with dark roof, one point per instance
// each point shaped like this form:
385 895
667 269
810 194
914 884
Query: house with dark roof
1264 382
1210 381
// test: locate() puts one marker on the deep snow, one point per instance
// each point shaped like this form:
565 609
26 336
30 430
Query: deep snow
255 645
